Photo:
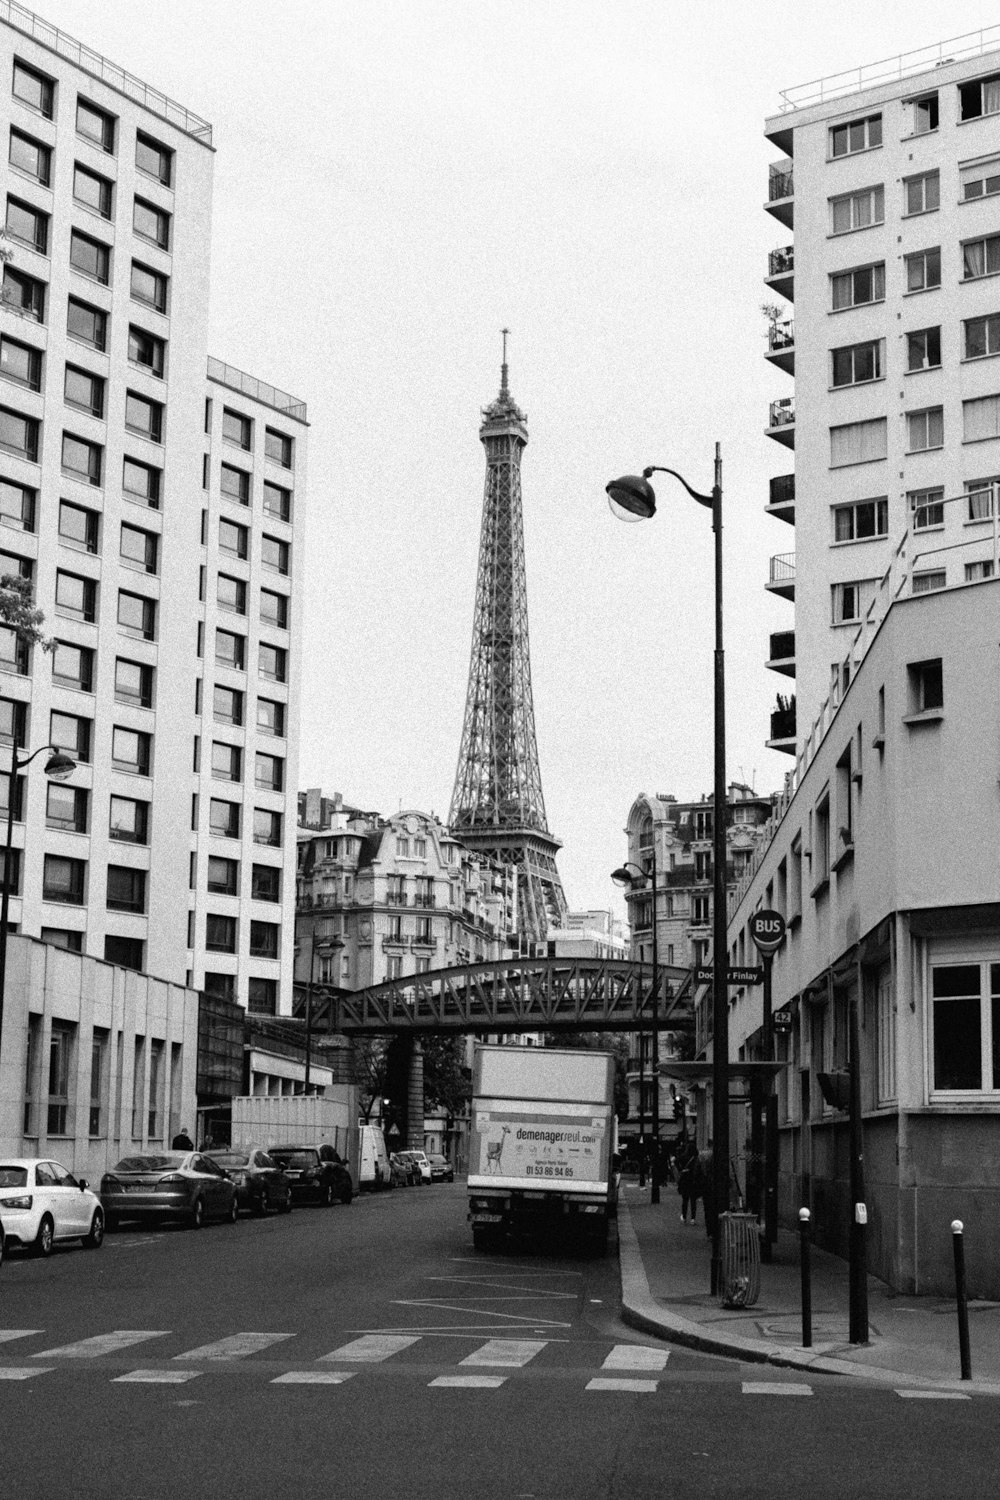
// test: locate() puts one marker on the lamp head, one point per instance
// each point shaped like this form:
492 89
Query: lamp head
631 498
629 879
58 766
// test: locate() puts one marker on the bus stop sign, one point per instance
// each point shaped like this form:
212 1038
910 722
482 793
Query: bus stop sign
767 928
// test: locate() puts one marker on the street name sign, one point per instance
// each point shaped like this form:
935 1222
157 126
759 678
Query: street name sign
752 975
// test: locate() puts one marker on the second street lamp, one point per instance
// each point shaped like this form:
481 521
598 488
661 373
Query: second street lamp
634 877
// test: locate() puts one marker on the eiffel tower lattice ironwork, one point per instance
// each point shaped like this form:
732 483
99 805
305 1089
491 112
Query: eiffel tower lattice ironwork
497 807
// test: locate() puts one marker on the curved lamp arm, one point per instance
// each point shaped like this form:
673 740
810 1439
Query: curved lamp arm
659 469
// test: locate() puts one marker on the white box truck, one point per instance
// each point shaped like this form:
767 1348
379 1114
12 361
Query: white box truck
543 1146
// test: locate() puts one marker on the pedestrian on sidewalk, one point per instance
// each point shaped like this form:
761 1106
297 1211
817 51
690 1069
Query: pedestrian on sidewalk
686 1185
702 1183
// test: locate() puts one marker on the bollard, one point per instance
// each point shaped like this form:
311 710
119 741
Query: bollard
807 1334
961 1297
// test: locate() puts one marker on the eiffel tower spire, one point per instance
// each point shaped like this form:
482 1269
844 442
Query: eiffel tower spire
497 807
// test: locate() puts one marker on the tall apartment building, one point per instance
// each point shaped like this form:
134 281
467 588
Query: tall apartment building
155 500
882 853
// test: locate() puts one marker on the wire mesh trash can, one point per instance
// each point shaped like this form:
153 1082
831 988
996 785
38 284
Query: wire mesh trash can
740 1260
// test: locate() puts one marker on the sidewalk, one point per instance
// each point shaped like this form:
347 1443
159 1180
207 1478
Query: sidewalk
665 1268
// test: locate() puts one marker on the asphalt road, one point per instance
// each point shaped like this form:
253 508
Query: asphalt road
368 1351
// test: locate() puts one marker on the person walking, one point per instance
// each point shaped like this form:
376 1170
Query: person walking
687 1185
182 1141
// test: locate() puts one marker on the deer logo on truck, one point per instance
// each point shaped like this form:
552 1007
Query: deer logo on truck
494 1151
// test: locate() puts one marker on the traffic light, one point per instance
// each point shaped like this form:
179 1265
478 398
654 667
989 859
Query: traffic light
679 1106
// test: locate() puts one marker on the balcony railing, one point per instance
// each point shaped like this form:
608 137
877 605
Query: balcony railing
780 336
782 413
424 900
783 723
257 390
781 262
782 644
779 181
782 568
782 489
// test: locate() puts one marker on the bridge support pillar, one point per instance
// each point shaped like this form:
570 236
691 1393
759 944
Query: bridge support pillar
415 1099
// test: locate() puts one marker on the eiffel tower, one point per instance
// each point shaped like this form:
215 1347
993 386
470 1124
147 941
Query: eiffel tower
497 807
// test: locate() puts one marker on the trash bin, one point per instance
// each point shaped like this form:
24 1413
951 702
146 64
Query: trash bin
740 1260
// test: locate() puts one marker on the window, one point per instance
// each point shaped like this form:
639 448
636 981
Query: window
274 555
129 820
858 442
27 225
20 567
277 502
227 705
856 363
23 295
34 89
274 609
927 582
262 996
82 460
925 685
126 889
922 194
981 257
73 666
265 883
227 762
856 135
138 548
149 286
83 390
854 288
269 772
125 952
63 937
19 434
95 125
821 843
220 933
980 419
966 1029
141 482
143 416
924 429
846 603
146 350
862 520
152 159
272 663
130 750
224 818
17 508
923 270
982 97
92 191
223 876
982 336
133 682
66 808
927 508
230 650
90 257
63 880
263 939
221 986
857 210
231 594
30 157
923 349
980 493
57 1103
71 734
977 571
270 717
394 929
15 654
980 180
236 484
266 827
76 598
137 615
236 429
232 538
21 364
17 812
86 324
278 447
151 223
925 114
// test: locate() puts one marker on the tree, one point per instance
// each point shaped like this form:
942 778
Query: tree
370 1056
17 609
447 1081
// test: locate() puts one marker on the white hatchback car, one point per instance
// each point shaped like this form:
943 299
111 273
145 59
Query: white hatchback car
420 1157
41 1203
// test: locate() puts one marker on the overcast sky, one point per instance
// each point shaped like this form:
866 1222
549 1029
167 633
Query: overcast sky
394 183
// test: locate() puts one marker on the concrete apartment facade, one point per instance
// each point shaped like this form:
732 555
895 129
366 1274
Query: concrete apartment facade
882 851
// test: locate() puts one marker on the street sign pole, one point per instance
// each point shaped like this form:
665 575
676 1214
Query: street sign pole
767 928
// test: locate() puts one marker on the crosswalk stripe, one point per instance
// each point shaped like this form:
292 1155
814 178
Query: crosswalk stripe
636 1357
620 1383
103 1343
372 1348
314 1377
505 1353
156 1377
7 1335
13 1373
237 1346
470 1382
775 1388
920 1395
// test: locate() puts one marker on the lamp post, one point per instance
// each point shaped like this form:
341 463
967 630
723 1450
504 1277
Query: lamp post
637 881
326 947
632 499
57 768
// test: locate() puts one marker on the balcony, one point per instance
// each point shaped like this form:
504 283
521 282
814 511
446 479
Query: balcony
781 579
782 653
781 498
780 187
781 421
781 346
781 271
424 900
783 726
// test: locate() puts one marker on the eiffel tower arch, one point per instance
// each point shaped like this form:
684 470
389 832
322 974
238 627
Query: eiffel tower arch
497 807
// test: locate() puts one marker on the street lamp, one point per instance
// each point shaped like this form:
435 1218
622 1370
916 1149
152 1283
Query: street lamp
632 499
57 768
326 947
633 877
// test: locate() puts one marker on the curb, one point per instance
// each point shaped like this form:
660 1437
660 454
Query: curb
640 1310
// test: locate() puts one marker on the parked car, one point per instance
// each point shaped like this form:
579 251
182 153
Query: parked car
184 1185
261 1184
316 1173
422 1164
441 1168
400 1172
2 1246
44 1204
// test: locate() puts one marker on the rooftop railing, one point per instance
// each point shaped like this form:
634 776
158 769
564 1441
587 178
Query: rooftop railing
257 390
970 44
108 72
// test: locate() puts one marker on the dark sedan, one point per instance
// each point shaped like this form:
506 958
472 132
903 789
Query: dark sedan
316 1173
441 1168
261 1184
180 1185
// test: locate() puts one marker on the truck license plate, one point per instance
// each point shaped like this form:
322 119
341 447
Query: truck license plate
487 1218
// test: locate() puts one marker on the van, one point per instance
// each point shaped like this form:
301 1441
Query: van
373 1168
